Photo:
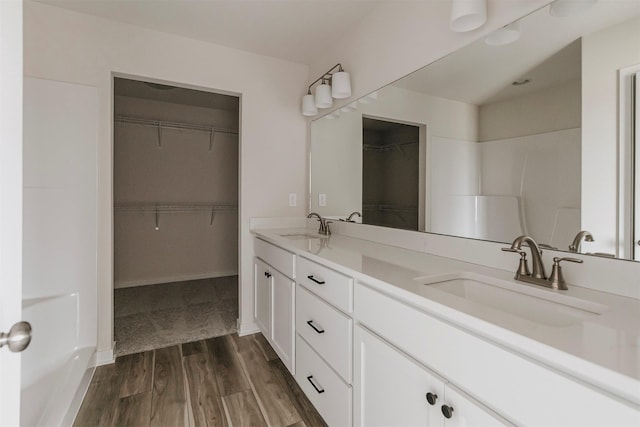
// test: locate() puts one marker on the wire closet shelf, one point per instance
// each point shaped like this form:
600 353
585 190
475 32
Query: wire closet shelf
159 125
170 208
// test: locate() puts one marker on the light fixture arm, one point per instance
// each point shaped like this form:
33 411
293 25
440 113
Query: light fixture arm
326 76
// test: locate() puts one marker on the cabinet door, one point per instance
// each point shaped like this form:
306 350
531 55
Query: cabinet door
262 307
282 334
461 410
390 389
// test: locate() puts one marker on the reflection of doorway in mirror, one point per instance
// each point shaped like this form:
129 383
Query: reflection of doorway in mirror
390 174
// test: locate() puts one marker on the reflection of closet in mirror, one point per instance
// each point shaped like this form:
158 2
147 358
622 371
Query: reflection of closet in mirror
390 171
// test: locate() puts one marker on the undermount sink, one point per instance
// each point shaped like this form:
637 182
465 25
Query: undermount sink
537 305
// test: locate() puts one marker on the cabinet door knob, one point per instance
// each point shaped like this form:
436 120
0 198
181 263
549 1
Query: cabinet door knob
447 411
431 398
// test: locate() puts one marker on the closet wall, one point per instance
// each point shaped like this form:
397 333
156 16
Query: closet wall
175 191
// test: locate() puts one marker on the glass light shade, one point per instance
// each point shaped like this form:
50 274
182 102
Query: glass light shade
323 96
504 35
467 15
340 85
309 105
564 8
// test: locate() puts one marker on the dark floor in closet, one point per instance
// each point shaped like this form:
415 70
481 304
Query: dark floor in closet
156 316
223 381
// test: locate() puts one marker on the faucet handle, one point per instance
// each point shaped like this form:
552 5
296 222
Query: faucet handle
556 278
556 260
523 266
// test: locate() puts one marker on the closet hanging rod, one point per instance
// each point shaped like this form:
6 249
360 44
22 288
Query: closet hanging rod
175 207
387 146
173 125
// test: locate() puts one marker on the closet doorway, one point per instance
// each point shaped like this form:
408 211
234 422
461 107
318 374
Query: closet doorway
175 192
391 174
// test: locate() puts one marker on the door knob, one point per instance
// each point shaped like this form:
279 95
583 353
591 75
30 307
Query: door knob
18 338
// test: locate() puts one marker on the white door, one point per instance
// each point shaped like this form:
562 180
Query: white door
391 389
10 201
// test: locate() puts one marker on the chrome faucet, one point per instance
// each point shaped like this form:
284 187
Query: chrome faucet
324 224
577 241
352 214
538 275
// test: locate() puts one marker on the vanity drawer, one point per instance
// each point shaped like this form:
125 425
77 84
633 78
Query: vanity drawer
326 329
519 389
326 391
334 287
278 258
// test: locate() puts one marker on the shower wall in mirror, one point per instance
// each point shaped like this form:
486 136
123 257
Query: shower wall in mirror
498 140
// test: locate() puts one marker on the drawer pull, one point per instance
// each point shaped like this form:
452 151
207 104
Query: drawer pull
313 279
310 323
447 411
319 390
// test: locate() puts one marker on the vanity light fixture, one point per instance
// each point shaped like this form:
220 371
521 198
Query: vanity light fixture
335 83
467 15
566 8
505 35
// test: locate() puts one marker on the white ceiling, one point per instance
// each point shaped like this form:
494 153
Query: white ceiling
293 30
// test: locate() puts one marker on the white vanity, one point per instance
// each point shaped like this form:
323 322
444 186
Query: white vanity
379 335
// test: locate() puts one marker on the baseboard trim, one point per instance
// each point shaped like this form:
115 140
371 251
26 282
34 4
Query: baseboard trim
170 279
247 328
105 357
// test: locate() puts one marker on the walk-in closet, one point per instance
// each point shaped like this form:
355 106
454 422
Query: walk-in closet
175 172
390 173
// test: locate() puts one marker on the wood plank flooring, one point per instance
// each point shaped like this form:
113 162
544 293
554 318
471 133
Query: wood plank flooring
223 381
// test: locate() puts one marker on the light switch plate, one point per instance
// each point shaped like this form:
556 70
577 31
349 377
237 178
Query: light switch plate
293 199
322 199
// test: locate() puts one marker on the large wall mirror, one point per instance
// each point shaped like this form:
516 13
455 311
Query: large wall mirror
501 138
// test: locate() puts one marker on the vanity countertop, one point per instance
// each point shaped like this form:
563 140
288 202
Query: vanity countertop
601 348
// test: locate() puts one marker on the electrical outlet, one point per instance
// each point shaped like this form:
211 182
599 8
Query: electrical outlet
322 199
293 199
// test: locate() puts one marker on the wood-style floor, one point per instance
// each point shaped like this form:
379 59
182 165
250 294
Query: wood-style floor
223 381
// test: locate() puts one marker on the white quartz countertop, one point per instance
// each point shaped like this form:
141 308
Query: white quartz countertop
601 348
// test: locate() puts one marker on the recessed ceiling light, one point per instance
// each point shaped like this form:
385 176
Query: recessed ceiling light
521 82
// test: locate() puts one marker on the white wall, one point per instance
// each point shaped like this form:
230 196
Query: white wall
603 54
552 109
183 170
72 47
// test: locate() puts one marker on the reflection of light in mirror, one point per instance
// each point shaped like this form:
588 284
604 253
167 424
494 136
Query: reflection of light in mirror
372 97
334 115
505 35
349 108
565 8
